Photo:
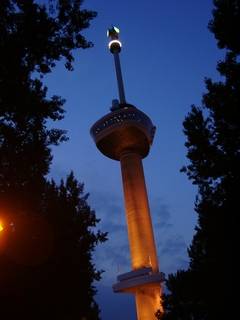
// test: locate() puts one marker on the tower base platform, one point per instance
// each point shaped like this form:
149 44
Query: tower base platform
133 280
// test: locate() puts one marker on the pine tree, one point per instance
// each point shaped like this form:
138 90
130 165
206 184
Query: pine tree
213 143
46 246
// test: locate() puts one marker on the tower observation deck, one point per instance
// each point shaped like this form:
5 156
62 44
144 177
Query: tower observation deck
126 134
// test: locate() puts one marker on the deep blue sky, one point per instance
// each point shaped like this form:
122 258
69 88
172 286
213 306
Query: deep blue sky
167 52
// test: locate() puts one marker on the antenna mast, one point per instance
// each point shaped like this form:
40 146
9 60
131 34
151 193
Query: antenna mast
115 48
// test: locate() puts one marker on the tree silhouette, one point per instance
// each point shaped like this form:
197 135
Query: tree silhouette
32 40
48 237
213 143
46 267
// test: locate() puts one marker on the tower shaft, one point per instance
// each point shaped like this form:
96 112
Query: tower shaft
148 301
140 231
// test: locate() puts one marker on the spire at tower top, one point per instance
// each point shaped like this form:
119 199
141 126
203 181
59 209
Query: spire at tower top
115 46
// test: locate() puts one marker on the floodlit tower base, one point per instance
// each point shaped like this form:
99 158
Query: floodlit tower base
148 301
145 285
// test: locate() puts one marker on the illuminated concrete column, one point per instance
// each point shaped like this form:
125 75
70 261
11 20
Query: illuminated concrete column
148 301
140 232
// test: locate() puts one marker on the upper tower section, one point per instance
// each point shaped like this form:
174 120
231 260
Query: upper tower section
125 128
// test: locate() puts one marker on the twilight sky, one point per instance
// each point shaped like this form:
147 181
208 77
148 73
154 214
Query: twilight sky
167 52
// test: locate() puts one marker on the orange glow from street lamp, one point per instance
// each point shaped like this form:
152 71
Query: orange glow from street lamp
1 227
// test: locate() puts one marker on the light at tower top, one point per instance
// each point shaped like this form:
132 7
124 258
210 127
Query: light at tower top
115 44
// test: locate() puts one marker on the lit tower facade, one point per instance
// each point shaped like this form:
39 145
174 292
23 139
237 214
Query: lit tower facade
125 134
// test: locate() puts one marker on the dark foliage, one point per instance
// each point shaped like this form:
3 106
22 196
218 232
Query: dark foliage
226 23
32 40
46 261
183 300
205 290
46 267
